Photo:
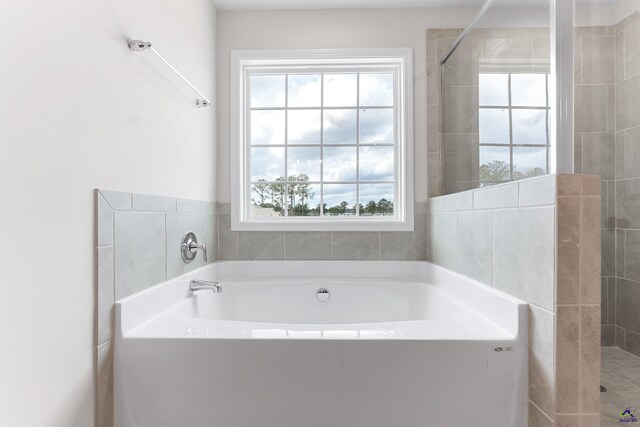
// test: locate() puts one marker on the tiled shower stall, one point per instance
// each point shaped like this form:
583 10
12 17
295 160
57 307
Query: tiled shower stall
607 136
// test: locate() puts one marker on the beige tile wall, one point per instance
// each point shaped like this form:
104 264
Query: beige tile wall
537 239
318 245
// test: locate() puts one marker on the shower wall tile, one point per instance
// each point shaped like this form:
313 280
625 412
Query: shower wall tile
537 192
432 128
459 202
627 22
104 215
567 421
524 254
537 418
608 252
227 239
627 303
546 251
629 147
260 245
117 200
541 358
577 152
195 206
611 108
462 157
498 196
356 245
619 57
139 251
609 217
632 342
604 206
443 237
590 250
133 253
508 48
577 60
598 154
628 103
568 274
103 356
475 244
628 203
145 202
591 108
406 245
597 60
105 294
590 359
608 336
434 174
632 50
632 256
177 225
611 301
308 245
568 351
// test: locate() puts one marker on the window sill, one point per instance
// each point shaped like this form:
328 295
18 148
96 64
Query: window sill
321 225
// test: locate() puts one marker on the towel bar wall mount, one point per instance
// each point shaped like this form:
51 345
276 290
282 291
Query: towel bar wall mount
139 46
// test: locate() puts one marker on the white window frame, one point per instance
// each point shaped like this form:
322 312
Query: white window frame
244 61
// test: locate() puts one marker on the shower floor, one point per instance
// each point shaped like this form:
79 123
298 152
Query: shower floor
621 378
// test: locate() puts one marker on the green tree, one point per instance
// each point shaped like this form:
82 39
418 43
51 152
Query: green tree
261 188
495 171
371 208
385 206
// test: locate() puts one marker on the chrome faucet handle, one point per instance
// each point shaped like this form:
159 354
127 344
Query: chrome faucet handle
189 248
194 246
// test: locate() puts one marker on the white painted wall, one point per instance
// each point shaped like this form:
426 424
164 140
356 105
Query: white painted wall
315 29
79 111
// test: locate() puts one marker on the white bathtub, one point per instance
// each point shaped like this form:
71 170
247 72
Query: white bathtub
397 344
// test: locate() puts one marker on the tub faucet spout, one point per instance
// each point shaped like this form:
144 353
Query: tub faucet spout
199 285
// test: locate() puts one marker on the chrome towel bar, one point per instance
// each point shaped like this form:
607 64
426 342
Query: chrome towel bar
139 46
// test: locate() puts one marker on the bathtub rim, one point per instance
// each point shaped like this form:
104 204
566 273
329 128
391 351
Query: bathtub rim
503 309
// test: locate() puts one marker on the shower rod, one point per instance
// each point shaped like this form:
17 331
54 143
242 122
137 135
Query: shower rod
139 46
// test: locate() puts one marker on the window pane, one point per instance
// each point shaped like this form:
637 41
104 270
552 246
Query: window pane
304 199
376 164
495 165
494 89
529 161
528 90
494 126
267 163
340 163
267 91
340 126
303 164
267 199
340 90
529 126
267 127
339 199
376 125
304 90
376 90
303 127
377 199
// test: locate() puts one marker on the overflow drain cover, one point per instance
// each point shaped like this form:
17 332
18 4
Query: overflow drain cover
323 294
